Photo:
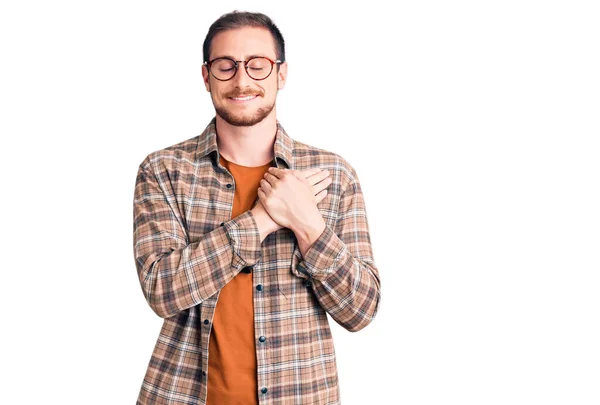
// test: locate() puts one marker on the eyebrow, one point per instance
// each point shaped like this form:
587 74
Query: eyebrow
247 57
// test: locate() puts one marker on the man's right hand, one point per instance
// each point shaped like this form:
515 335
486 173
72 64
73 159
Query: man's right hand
318 179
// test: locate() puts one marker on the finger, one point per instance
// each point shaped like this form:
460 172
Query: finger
301 174
265 185
309 172
315 178
319 197
270 178
321 185
276 172
298 174
261 195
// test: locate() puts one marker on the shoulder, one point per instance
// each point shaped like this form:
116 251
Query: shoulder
170 157
342 171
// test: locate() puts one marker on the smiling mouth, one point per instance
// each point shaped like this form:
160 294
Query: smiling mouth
244 98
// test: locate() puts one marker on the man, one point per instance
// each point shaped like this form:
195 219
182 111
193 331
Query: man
244 239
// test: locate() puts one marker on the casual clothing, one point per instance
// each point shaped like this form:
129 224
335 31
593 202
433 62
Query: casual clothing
189 245
232 349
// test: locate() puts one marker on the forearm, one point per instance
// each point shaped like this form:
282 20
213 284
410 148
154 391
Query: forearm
347 286
308 235
176 277
340 263
264 223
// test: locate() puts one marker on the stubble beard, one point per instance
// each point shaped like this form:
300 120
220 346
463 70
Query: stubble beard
244 120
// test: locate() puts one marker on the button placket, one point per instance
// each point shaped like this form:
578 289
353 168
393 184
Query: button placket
228 185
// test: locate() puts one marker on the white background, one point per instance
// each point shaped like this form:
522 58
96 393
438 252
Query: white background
473 126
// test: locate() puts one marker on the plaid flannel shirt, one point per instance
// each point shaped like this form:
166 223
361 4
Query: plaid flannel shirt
187 247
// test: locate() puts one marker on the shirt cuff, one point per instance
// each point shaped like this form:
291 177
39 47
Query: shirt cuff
244 236
323 257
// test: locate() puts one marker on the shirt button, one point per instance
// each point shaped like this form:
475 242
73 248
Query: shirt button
262 339
203 372
206 321
264 390
229 185
308 283
302 269
222 223
259 287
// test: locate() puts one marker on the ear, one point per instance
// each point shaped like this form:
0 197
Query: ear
206 77
282 75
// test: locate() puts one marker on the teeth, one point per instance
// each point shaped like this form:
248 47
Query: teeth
244 98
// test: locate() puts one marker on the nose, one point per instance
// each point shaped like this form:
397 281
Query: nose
241 78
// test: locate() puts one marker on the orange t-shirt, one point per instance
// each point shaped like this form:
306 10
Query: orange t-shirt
232 377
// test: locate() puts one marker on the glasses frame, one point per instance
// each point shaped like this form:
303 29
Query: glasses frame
236 64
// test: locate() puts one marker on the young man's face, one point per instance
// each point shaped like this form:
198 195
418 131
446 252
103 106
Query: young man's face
241 44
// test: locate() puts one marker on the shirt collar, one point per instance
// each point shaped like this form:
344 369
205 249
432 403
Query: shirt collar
283 147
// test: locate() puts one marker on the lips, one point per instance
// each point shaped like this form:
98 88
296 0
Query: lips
244 98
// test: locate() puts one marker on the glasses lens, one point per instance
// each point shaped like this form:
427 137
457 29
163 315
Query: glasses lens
223 69
259 68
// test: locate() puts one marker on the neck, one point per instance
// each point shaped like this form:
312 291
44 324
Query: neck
247 146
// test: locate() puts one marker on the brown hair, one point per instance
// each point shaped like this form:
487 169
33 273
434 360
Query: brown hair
240 19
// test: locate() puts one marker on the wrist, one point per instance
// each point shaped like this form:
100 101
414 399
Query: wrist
308 234
265 224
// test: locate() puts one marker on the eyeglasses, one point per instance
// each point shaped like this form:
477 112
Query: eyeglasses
258 68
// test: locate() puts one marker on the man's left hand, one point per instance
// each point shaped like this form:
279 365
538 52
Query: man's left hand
289 200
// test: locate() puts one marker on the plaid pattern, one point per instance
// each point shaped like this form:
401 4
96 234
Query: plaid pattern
187 247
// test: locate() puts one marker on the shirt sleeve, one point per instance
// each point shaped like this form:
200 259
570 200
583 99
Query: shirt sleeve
341 266
174 273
